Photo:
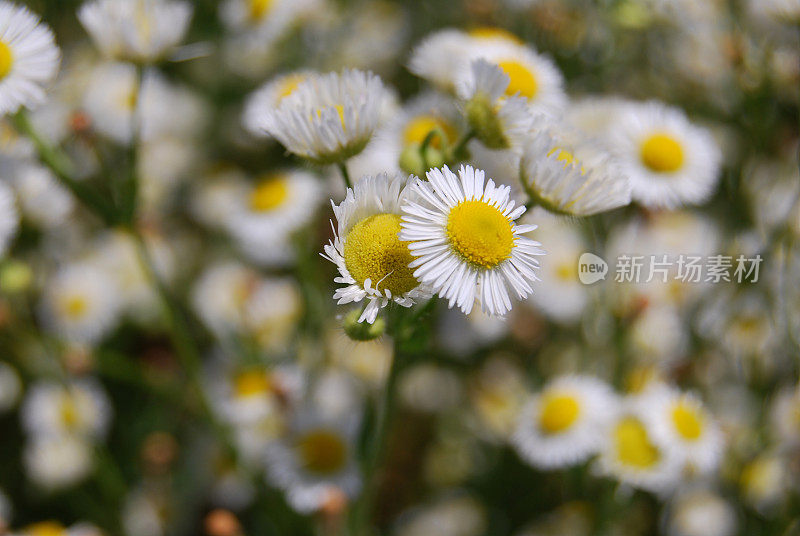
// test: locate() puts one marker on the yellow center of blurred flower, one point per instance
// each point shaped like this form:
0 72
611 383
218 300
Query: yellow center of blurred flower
633 446
269 194
418 129
75 307
250 383
322 452
69 412
662 153
259 8
558 413
491 32
289 84
688 422
523 81
480 233
372 250
567 271
639 378
6 60
339 110
46 528
566 157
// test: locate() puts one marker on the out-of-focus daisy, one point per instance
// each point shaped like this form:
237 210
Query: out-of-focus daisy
462 334
632 455
57 461
267 18
785 416
786 11
220 296
499 121
10 387
567 174
327 118
439 57
681 423
80 408
9 218
430 388
373 261
81 303
29 58
43 200
764 480
54 528
316 460
141 31
467 241
272 313
270 95
111 99
498 392
669 161
455 515
699 512
277 205
566 422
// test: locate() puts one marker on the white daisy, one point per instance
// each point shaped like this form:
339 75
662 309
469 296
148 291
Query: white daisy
439 57
43 200
268 96
499 121
57 461
669 161
467 241
81 303
9 218
316 459
78 408
269 19
327 118
272 313
141 31
372 260
220 295
566 422
681 423
29 58
566 173
111 99
785 416
701 512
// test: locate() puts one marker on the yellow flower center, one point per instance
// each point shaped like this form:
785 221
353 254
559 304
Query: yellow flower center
633 445
322 452
250 383
662 153
259 8
6 60
289 84
69 412
75 307
490 32
418 129
480 233
523 81
558 413
372 250
688 422
46 528
339 110
269 194
566 271
566 157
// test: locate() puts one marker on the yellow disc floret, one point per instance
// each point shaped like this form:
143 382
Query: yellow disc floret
480 233
558 413
46 528
491 33
69 412
662 153
75 307
523 80
418 129
633 446
259 8
269 194
250 383
289 84
688 422
6 60
322 452
372 250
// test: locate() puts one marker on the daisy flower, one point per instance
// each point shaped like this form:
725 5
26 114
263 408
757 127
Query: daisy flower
269 19
268 96
81 303
80 407
701 512
57 461
467 243
566 423
566 173
327 118
315 460
439 57
272 313
785 11
9 218
140 31
29 58
669 161
681 423
220 295
54 528
111 100
373 261
43 200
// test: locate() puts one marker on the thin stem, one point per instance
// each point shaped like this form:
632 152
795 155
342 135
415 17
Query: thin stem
61 166
129 187
345 174
460 147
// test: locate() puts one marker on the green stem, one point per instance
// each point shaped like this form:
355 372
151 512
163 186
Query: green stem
129 187
61 166
459 149
345 174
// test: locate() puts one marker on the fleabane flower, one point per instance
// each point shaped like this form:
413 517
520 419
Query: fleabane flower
141 31
328 118
373 261
468 245
566 173
669 161
499 121
270 95
566 423
29 58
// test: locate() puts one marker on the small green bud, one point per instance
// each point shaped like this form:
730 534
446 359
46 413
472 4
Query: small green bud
483 120
411 161
15 276
362 331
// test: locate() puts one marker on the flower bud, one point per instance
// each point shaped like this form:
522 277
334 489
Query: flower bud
362 331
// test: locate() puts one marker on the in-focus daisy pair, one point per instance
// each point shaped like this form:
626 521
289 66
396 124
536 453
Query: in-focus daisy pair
402 239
